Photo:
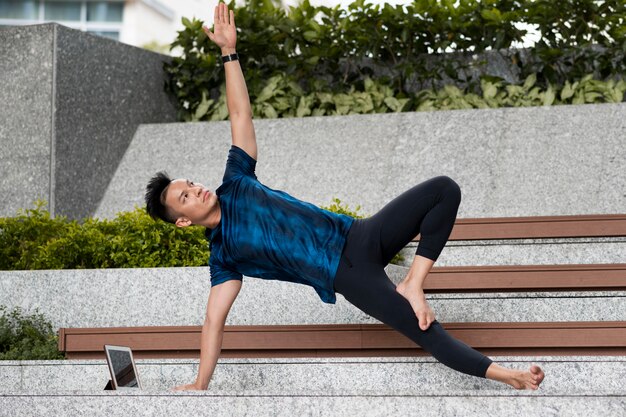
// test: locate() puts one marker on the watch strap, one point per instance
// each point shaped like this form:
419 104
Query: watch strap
231 57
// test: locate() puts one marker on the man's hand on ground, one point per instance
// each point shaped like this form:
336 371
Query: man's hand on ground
187 387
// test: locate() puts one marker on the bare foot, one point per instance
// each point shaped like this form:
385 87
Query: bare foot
530 379
415 296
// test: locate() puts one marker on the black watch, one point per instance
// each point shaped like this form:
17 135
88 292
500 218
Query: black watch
231 57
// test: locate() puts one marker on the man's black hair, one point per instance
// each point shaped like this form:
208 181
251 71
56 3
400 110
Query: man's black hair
155 197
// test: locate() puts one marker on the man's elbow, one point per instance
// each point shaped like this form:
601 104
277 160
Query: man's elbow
215 324
213 321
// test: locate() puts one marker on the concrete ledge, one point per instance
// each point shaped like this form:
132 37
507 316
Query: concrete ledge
384 376
364 387
527 252
178 296
523 161
322 405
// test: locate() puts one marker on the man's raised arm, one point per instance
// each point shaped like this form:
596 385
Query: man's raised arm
237 98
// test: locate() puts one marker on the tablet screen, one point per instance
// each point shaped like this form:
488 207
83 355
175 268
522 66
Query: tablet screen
122 368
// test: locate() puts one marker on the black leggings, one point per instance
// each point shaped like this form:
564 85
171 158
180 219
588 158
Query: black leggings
428 208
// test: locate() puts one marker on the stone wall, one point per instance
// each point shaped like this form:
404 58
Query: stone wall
71 104
530 161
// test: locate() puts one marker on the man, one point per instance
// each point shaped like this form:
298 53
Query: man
260 232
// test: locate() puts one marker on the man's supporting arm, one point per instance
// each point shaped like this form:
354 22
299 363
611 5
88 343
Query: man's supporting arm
221 298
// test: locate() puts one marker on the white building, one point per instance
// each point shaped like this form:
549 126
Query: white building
134 22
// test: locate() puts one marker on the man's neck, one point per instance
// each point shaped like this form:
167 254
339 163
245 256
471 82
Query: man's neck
214 218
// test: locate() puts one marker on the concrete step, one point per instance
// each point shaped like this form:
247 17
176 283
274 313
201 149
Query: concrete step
386 376
555 251
178 296
205 403
316 387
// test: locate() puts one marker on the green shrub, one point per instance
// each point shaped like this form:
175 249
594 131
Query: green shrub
497 93
325 54
337 207
34 240
282 97
27 337
576 38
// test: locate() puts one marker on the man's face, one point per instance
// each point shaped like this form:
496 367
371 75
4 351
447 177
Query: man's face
190 202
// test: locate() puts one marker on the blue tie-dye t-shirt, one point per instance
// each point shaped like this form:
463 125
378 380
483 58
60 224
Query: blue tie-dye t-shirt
269 234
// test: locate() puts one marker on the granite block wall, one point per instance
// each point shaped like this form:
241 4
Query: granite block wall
71 104
26 116
530 161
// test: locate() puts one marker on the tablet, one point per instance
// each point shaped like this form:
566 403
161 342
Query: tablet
122 367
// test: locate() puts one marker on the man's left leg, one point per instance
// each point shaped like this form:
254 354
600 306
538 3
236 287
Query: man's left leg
366 286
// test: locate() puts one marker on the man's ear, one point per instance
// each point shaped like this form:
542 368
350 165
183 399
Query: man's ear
183 222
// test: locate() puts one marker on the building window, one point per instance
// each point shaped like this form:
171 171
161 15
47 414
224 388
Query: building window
19 9
103 11
106 34
62 11
102 18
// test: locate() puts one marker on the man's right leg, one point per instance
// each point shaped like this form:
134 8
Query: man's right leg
428 208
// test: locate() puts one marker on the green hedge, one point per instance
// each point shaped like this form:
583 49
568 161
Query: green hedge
34 240
24 337
282 97
322 50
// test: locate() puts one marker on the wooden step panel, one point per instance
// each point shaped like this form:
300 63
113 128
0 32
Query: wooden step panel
573 338
539 227
515 278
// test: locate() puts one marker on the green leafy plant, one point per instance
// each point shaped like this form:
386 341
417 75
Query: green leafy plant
497 93
337 207
26 337
308 60
282 97
576 38
34 240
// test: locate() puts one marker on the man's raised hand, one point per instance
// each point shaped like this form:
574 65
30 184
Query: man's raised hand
225 35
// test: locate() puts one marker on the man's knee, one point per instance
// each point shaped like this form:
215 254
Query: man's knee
449 187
